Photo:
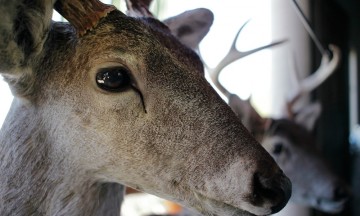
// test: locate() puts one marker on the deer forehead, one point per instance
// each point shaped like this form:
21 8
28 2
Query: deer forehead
145 46
296 134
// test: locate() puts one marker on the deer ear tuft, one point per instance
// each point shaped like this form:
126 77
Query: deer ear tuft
191 27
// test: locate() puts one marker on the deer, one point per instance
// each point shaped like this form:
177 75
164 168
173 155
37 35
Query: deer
110 100
289 139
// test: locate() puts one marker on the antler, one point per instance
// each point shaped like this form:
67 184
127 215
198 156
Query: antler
242 108
139 8
84 15
233 55
327 67
308 27
329 62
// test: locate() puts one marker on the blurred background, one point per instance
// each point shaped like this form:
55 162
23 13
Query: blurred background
267 77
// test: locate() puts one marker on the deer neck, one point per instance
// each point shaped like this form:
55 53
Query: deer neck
35 181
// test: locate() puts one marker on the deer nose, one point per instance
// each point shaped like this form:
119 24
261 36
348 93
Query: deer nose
273 192
341 193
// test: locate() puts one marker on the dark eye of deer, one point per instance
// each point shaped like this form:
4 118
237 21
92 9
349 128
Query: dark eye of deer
113 79
278 148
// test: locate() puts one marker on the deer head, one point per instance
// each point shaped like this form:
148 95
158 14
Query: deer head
290 140
292 145
111 100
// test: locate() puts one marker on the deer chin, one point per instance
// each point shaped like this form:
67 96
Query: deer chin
216 207
225 209
206 205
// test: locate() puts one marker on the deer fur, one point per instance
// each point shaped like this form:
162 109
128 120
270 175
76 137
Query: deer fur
291 142
67 147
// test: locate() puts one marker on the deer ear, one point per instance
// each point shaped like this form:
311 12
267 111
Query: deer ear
308 115
191 27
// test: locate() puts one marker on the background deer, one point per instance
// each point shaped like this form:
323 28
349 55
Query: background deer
290 139
110 100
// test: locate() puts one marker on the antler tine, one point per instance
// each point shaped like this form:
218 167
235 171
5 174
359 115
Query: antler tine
308 27
233 55
139 8
327 67
84 15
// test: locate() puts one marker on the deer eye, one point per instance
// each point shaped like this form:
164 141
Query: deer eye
278 148
113 79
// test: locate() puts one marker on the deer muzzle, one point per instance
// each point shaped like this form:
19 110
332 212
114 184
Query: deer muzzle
260 193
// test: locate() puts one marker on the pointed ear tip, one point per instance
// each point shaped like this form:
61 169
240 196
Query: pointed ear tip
205 13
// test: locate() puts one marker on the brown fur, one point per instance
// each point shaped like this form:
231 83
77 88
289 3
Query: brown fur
291 143
67 146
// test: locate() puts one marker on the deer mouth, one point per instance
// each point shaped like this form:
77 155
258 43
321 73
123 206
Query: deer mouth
222 208
330 205
325 204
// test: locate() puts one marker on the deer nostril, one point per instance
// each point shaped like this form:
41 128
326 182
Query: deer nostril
274 192
341 193
261 188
